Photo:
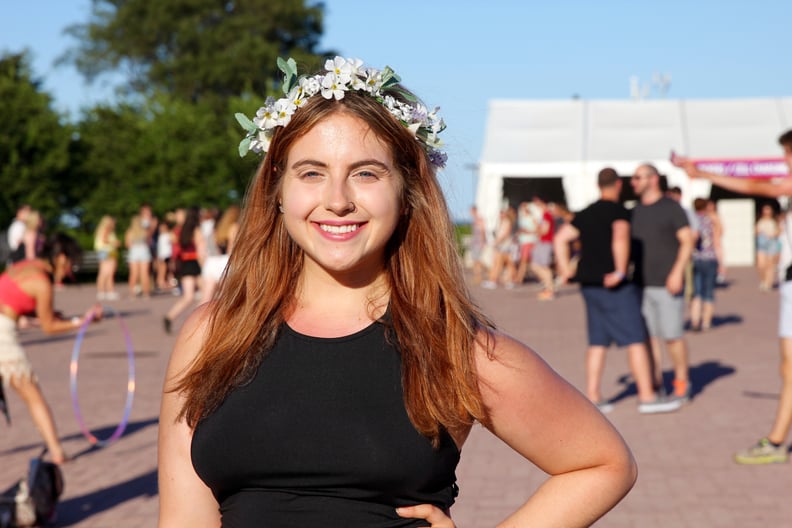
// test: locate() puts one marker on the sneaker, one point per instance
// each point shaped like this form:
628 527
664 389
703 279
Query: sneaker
762 453
112 296
682 394
100 296
659 405
488 285
604 406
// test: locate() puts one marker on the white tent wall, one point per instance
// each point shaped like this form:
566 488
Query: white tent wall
575 139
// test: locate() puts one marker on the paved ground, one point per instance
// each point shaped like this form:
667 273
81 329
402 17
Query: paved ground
687 478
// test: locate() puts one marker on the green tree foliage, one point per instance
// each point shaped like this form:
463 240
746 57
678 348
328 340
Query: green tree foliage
34 144
193 49
167 152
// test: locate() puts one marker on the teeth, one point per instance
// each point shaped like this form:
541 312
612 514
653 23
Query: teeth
338 229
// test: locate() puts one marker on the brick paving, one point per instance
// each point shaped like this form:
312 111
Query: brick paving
687 477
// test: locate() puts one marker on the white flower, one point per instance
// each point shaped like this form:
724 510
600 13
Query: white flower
341 68
310 86
333 86
265 117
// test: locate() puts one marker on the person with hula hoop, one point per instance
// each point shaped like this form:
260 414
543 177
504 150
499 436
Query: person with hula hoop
27 287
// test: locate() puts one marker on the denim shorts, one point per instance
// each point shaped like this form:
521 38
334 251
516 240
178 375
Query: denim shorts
614 315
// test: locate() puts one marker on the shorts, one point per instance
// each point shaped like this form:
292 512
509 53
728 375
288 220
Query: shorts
614 315
213 267
139 253
785 314
188 268
543 254
13 360
767 245
664 313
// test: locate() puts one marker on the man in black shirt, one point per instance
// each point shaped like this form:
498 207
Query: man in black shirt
613 307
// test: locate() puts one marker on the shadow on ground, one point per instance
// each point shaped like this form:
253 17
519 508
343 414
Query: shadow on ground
77 509
701 376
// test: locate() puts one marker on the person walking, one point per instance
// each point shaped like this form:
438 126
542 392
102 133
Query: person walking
542 255
335 376
613 305
189 259
769 449
662 244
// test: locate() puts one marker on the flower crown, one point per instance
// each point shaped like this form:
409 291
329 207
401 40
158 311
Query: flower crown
342 75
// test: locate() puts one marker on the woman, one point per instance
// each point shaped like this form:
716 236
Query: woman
705 268
768 247
504 251
32 238
337 373
27 287
190 256
224 234
138 258
106 246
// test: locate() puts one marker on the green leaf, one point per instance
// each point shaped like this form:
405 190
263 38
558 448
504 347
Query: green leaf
245 122
389 78
244 146
289 69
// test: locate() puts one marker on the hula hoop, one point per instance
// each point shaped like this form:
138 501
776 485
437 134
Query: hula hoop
73 367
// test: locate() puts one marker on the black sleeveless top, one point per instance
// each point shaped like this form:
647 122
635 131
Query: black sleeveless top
320 437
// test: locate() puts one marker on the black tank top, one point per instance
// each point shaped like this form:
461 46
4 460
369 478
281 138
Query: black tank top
320 437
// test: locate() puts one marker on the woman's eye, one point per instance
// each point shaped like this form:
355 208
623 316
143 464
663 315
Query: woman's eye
366 174
310 175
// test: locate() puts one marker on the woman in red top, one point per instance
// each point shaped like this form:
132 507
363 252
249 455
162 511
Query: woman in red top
27 287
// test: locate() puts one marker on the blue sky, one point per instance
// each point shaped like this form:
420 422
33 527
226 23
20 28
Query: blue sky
460 54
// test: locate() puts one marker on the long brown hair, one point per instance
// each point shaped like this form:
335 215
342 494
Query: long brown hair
431 316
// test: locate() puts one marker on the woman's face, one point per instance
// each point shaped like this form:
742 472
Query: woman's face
341 197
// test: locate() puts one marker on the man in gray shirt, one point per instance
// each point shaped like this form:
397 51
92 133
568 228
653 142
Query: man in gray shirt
662 246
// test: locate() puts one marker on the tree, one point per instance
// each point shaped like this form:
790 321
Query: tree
34 144
197 49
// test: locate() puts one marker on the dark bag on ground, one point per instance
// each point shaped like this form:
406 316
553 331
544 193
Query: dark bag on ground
33 500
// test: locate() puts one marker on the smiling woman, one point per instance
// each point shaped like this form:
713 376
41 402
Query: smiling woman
338 371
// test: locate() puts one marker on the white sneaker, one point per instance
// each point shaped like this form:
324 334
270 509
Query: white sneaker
488 285
659 405
100 296
112 296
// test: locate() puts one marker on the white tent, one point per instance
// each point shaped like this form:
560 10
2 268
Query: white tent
573 139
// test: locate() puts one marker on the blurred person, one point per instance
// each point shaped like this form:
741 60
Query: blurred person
190 256
163 264
223 236
768 247
705 268
138 258
526 239
32 239
542 256
336 375
613 302
106 245
478 243
769 449
663 243
27 287
16 231
503 255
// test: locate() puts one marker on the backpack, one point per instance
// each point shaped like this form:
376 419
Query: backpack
33 500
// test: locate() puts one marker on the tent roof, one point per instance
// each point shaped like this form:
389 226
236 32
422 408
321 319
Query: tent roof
535 131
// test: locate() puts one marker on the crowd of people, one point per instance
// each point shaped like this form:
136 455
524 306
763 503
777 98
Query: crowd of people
649 274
